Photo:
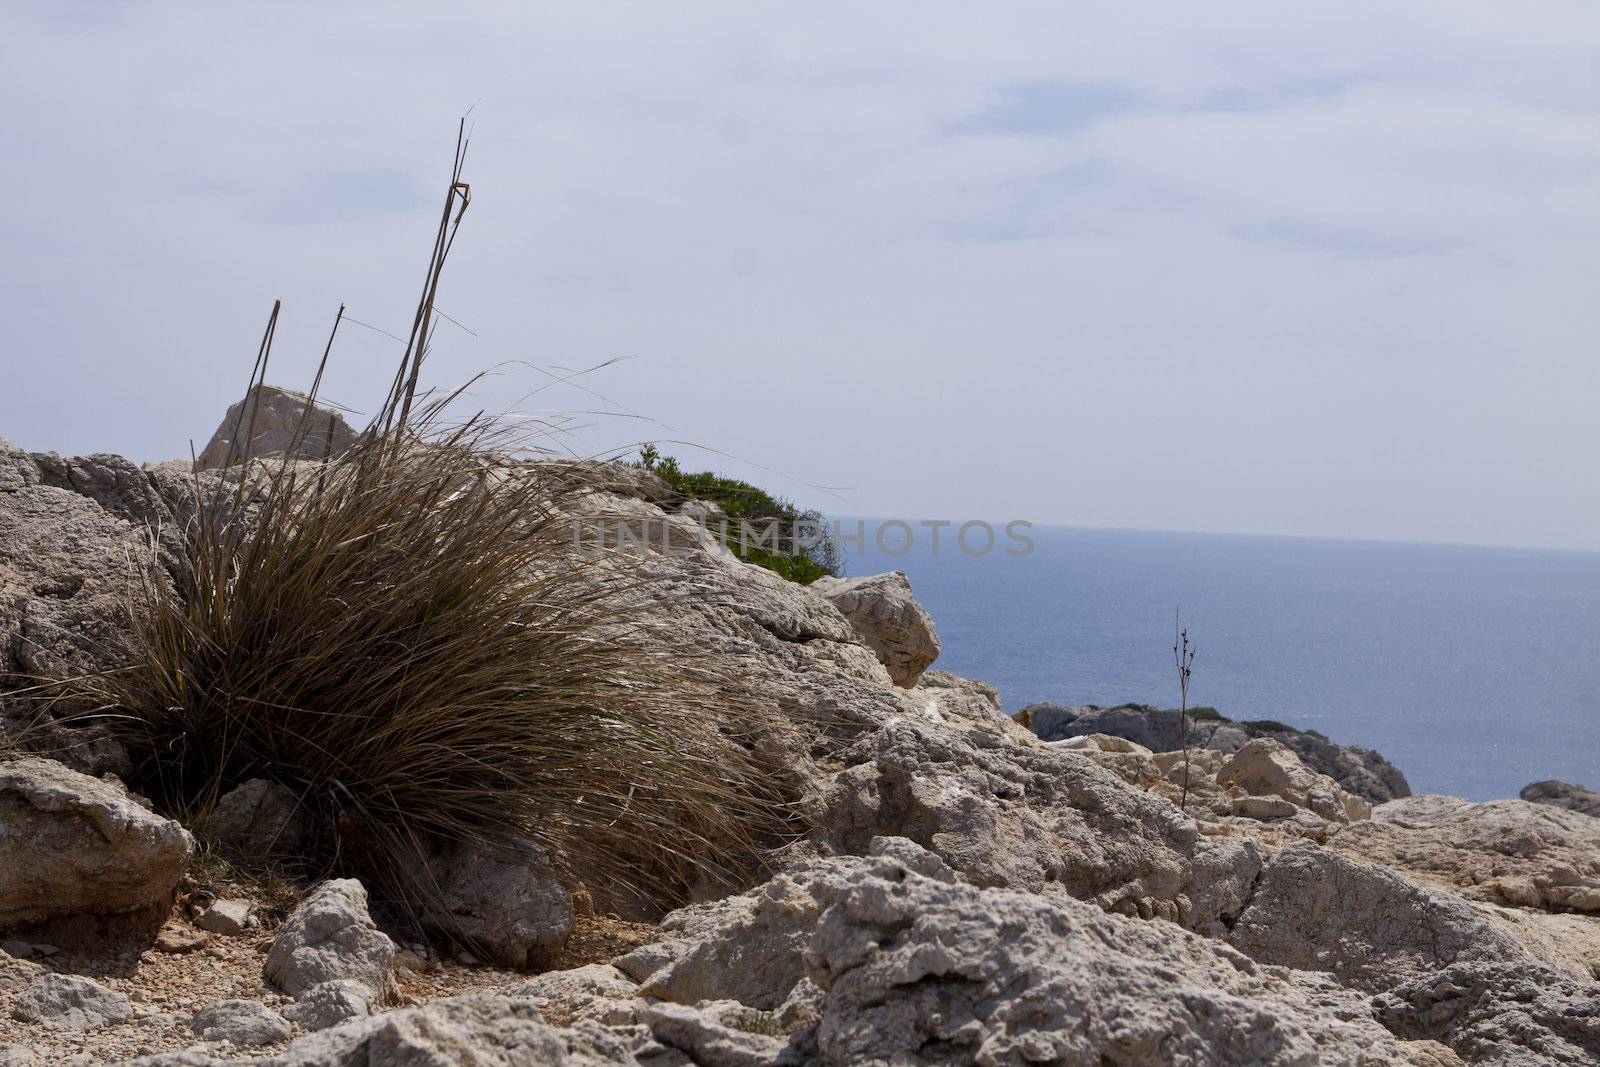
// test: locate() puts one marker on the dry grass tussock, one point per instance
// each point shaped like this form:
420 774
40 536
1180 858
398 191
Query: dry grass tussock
402 635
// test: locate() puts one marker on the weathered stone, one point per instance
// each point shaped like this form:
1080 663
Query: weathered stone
228 917
328 937
1563 795
919 971
518 914
1505 851
1360 771
1316 910
598 992
330 1004
275 421
1499 1013
76 846
481 1030
882 610
257 819
241 1023
1265 767
71 1002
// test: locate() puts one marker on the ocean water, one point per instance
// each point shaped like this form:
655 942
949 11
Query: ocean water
1474 670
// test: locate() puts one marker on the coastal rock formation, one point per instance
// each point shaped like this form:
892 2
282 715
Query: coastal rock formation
275 419
1265 767
78 850
1505 851
883 612
1563 795
1360 771
1499 1013
1316 910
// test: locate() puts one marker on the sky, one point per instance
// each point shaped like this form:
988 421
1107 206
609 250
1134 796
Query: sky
1311 269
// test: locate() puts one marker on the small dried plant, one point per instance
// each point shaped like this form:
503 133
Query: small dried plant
1183 658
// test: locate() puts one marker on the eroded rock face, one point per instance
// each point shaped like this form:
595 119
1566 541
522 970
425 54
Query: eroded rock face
1031 817
271 417
1563 795
482 1030
1505 851
1317 910
331 1003
1359 771
71 1002
518 913
1267 768
882 610
328 937
1499 1013
241 1023
917 969
75 847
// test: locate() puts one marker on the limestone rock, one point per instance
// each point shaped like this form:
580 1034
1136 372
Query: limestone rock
1031 817
1505 851
1265 767
1563 795
1499 1013
257 819
919 971
272 416
882 610
598 992
1360 771
227 917
328 937
71 1002
482 1030
241 1023
331 1003
1316 910
76 846
519 914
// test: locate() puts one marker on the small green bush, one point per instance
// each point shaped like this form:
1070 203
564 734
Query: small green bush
743 502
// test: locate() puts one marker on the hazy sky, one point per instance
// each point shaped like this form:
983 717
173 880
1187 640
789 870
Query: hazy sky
1320 269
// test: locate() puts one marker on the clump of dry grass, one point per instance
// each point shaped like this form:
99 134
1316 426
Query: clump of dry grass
404 636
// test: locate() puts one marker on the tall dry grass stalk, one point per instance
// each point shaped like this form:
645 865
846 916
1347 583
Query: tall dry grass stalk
403 635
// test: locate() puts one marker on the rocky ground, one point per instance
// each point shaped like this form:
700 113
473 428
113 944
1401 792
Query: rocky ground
961 891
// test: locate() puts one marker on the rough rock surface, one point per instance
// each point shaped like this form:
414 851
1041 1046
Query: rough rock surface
75 847
1031 817
328 937
518 914
1505 851
1264 767
256 819
1356 770
882 610
1316 910
1563 795
1507 1014
924 970
241 1023
71 1002
481 1030
272 426
330 1004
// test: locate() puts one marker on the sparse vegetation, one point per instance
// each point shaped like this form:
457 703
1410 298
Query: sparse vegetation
402 635
1183 657
776 520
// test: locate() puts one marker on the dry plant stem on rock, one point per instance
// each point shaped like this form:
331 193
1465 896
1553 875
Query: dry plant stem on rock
1183 657
397 635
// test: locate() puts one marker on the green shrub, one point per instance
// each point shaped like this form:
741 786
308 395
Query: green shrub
745 503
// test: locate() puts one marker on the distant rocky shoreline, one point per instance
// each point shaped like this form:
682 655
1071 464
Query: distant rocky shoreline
962 886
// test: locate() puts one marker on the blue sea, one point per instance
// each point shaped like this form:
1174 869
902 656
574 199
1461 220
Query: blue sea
1474 670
